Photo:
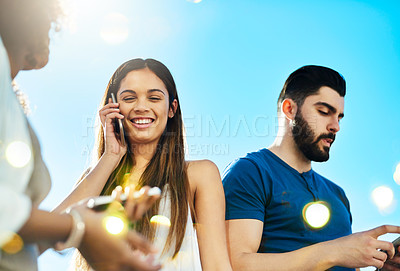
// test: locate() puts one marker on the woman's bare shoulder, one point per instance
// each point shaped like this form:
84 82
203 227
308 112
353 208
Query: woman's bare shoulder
202 172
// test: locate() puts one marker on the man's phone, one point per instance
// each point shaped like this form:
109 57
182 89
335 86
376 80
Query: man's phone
101 203
118 127
396 243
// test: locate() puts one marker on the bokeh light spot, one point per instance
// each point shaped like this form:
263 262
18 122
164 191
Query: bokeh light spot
14 245
160 220
382 196
316 214
115 29
396 175
114 225
126 180
18 154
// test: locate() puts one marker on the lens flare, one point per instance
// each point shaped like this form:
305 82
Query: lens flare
18 154
382 196
126 180
14 245
160 220
194 1
396 174
114 225
115 29
316 214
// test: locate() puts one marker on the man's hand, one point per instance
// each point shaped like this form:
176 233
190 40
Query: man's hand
364 249
394 263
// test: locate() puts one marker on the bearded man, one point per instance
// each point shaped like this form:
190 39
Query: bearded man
271 193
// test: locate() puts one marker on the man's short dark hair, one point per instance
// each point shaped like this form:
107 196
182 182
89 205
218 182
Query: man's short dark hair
307 80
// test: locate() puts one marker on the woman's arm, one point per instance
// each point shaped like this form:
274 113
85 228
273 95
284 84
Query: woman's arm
92 184
209 201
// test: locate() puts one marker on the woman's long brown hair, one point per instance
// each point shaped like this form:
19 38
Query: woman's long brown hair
167 167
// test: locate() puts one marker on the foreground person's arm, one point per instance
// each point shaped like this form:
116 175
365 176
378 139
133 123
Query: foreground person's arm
102 250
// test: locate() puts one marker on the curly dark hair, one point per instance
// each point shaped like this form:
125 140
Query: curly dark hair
25 25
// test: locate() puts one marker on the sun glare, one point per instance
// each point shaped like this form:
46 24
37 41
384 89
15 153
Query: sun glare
18 154
77 11
115 29
160 220
114 225
396 174
382 196
316 214
14 245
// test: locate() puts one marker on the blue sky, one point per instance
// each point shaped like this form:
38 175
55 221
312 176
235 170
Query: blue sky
229 60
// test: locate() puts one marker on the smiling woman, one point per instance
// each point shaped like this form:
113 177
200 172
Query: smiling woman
144 103
148 104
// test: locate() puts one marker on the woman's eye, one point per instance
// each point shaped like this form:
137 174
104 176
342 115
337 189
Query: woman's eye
127 99
323 112
154 98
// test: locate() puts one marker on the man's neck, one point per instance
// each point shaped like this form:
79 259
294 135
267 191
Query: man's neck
286 149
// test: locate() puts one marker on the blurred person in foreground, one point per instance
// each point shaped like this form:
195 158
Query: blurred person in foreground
25 181
271 193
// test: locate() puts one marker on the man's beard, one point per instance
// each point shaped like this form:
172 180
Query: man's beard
306 140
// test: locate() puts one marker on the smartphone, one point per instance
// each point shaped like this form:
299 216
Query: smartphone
101 203
118 127
396 243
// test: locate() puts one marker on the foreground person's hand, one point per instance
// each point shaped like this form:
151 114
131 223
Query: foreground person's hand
138 201
105 251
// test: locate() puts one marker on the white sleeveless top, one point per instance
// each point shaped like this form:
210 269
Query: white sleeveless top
188 257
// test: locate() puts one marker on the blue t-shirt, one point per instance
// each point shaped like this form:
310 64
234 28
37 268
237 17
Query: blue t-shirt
262 186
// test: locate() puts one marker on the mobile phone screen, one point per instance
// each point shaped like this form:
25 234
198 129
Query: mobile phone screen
118 127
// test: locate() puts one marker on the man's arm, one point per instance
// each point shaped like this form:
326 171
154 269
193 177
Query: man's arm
244 237
353 251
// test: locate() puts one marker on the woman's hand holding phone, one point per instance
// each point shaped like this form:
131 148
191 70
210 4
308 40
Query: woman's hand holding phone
107 115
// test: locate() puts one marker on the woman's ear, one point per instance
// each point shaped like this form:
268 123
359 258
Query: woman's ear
172 109
289 108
